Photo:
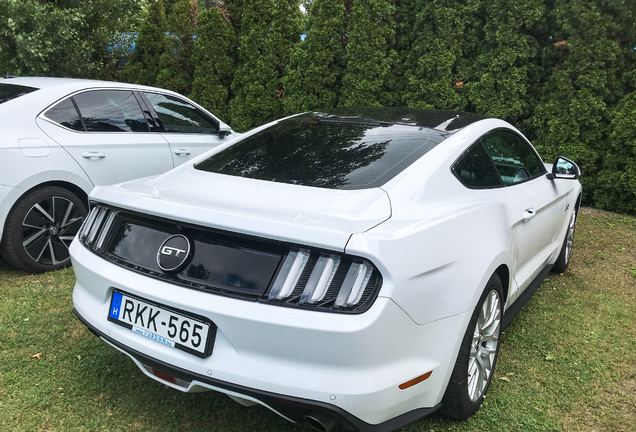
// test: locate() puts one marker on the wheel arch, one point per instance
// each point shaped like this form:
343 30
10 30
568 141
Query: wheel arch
504 274
32 184
76 190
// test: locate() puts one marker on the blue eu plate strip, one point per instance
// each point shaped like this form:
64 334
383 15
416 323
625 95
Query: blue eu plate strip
115 305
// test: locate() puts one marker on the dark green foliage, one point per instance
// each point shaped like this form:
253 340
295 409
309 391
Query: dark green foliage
405 14
315 69
506 64
213 58
176 66
143 67
584 83
369 54
168 4
71 38
444 36
560 70
234 12
616 189
269 29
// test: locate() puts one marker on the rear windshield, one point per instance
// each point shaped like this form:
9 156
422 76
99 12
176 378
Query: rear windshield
332 153
12 91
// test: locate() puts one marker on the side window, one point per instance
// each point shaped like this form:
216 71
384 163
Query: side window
65 114
111 111
515 160
475 169
179 116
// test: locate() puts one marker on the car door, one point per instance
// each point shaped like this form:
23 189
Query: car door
107 134
534 205
189 130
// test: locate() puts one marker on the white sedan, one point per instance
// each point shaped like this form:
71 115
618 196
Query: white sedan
351 266
61 137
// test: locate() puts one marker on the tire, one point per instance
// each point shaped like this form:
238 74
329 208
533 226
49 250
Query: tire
40 227
562 262
480 346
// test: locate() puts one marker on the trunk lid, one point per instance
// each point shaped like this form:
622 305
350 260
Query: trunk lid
298 214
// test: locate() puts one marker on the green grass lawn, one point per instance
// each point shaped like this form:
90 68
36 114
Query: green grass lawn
568 360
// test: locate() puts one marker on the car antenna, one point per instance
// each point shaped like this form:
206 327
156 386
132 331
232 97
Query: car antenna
5 75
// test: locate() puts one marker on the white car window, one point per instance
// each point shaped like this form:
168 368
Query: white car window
111 111
515 160
476 170
178 116
66 115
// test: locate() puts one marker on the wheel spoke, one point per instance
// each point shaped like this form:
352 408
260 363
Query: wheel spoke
66 215
481 377
34 237
35 248
71 222
473 378
53 259
490 338
481 320
31 226
46 245
60 250
484 364
488 312
41 210
488 351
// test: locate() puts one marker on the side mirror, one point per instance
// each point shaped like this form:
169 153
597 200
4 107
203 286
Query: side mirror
564 168
224 130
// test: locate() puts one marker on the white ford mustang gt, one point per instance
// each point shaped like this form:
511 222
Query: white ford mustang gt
351 266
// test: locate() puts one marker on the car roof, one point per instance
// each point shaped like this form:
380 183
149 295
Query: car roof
371 144
69 83
443 121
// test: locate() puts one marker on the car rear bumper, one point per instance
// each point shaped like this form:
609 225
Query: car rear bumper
294 362
292 408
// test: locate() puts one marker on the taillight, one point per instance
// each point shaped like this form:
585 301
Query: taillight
325 280
97 226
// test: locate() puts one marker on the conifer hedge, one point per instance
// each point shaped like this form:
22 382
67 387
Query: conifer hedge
562 71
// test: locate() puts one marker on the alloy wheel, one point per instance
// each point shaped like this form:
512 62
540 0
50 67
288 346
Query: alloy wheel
49 228
569 240
483 349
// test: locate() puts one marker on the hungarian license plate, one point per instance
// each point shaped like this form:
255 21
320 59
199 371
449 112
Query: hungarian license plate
194 335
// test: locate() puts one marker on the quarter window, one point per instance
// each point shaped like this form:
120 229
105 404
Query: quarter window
178 116
12 91
65 114
111 111
515 160
476 170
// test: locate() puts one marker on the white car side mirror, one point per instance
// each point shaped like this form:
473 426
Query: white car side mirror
564 168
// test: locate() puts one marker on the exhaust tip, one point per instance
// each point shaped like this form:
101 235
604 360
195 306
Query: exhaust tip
320 421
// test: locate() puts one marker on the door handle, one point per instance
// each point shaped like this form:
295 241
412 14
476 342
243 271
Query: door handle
528 214
182 152
93 155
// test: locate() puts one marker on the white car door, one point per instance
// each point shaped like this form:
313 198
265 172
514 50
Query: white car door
109 138
535 206
189 130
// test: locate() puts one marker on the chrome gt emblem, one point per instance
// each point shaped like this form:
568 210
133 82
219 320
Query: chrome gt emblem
173 253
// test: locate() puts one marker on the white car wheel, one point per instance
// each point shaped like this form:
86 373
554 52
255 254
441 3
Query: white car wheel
477 357
563 260
40 229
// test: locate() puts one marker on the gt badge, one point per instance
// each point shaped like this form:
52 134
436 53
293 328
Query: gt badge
174 253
